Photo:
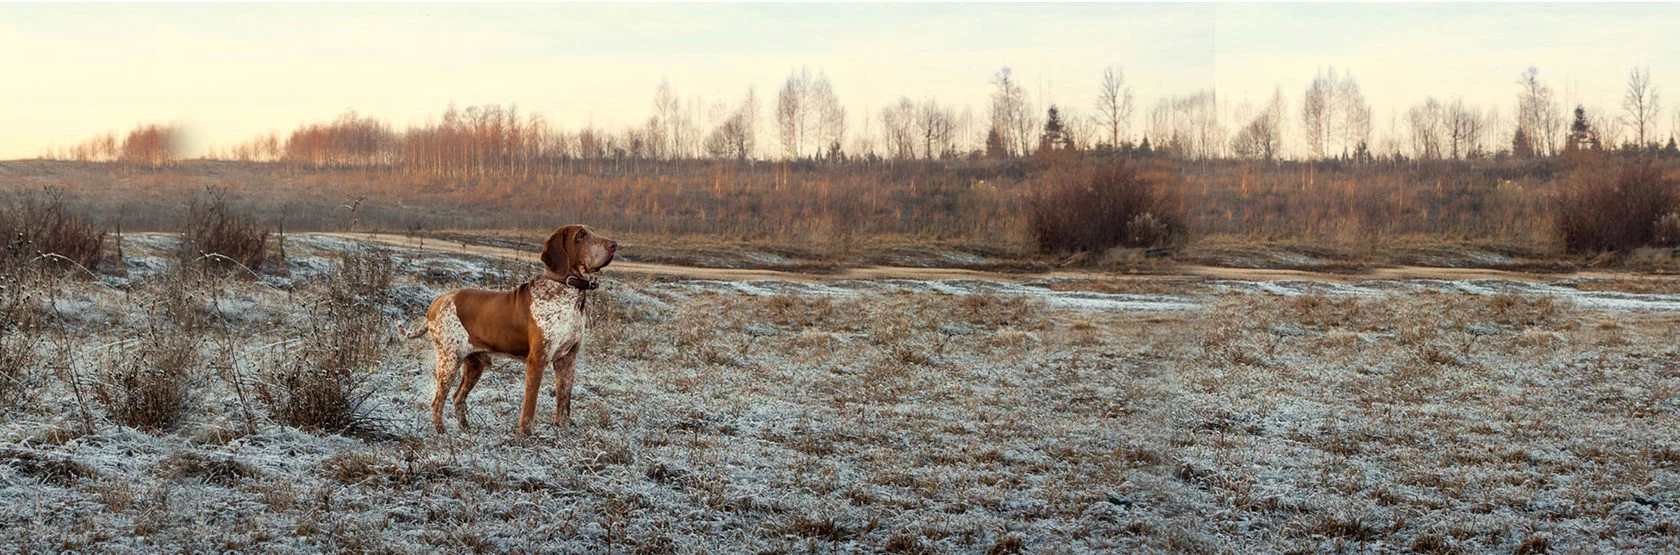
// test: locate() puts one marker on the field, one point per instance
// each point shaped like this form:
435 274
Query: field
1500 412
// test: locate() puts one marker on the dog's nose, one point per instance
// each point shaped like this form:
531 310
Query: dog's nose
612 246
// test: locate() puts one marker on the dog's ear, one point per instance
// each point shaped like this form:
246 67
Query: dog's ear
558 253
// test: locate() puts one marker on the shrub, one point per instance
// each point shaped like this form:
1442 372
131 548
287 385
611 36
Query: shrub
1605 208
150 387
40 223
220 235
1667 232
323 386
19 376
1112 205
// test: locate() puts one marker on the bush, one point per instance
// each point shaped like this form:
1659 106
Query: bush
1113 205
1606 208
322 386
40 223
20 378
151 386
221 235
1667 232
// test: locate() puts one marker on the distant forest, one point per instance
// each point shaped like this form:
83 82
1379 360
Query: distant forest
807 122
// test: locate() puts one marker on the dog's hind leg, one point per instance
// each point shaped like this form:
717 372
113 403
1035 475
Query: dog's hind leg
447 361
471 369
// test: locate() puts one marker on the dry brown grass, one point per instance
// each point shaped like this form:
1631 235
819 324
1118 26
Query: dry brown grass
825 213
151 384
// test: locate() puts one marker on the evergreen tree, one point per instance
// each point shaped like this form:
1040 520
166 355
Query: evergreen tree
1581 133
1522 146
994 144
1055 134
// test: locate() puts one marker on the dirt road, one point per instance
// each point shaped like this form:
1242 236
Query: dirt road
900 272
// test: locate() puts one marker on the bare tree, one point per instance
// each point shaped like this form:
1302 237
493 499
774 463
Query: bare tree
933 127
830 116
661 135
809 115
749 116
1425 122
1278 109
1012 117
1353 115
1641 106
1114 105
1608 128
733 137
793 113
1316 112
1335 119
1538 115
1463 128
1257 140
1187 126
899 122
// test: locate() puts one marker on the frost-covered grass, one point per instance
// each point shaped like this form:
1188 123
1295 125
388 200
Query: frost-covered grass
898 416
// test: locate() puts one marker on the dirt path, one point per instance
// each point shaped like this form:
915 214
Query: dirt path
900 272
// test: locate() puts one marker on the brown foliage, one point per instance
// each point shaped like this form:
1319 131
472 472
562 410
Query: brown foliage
1607 207
215 229
1094 208
152 145
41 222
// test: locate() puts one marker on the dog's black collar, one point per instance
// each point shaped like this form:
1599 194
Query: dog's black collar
576 282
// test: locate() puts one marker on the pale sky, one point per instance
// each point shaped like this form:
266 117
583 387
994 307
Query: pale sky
230 72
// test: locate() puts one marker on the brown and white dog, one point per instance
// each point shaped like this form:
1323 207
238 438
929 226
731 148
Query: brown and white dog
541 322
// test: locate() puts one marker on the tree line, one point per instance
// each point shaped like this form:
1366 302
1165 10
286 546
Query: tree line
808 122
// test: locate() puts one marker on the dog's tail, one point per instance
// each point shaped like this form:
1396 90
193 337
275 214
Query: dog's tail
419 331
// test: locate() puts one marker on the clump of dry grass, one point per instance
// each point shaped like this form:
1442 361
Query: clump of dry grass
150 386
323 384
375 469
213 469
47 468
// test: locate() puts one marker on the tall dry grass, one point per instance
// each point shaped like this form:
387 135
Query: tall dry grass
1350 204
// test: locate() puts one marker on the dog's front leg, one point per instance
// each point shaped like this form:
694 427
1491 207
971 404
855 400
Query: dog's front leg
533 383
565 372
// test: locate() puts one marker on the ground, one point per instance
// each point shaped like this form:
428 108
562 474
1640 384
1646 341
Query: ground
1062 414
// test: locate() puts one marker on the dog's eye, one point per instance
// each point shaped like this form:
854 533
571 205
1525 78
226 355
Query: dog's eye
579 237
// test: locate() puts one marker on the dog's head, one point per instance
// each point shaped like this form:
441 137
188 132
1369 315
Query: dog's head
576 250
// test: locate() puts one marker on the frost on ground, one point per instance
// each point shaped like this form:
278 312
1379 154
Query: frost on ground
888 416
